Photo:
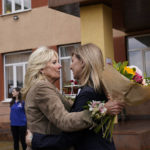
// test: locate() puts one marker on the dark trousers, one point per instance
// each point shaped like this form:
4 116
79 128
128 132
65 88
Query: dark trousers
19 133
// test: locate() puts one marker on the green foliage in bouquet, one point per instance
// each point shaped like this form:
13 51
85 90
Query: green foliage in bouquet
131 73
147 80
124 70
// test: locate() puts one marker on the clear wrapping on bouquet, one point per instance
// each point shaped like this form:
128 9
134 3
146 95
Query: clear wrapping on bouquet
121 88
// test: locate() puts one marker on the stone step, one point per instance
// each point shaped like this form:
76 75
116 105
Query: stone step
132 135
5 133
4 112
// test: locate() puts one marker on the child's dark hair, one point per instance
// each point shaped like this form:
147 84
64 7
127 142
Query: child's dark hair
14 98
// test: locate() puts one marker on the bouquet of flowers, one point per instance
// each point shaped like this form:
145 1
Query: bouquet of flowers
124 83
133 73
104 122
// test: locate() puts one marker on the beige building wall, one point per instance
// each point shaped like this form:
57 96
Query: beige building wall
40 26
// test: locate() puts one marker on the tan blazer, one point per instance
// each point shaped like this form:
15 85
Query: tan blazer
46 111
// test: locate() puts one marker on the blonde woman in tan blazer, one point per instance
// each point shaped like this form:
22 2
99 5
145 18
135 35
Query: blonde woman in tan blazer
47 110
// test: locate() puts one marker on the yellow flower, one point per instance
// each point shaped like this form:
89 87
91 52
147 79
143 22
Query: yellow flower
129 70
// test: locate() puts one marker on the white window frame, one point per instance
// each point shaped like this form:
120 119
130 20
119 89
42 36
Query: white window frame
14 65
13 7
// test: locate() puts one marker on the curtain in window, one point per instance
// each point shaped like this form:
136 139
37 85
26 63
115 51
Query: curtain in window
15 64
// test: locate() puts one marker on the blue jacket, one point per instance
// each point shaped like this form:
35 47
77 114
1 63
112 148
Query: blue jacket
81 140
17 114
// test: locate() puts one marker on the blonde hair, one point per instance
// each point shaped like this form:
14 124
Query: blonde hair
92 57
37 61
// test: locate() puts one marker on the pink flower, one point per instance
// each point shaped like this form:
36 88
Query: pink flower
138 78
102 110
94 103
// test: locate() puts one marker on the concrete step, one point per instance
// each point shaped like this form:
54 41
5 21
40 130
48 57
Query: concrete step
4 112
5 133
132 135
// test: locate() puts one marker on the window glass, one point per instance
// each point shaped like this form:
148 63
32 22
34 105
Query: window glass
139 52
139 42
18 4
19 76
12 6
133 57
147 62
66 73
27 4
15 66
9 81
65 53
7 6
17 58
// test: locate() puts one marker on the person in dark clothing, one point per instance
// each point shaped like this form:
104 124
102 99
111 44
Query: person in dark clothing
18 120
87 66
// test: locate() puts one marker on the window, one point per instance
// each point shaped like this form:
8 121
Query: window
66 74
15 65
139 52
13 6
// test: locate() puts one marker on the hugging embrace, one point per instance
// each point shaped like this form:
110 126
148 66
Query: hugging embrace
55 122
